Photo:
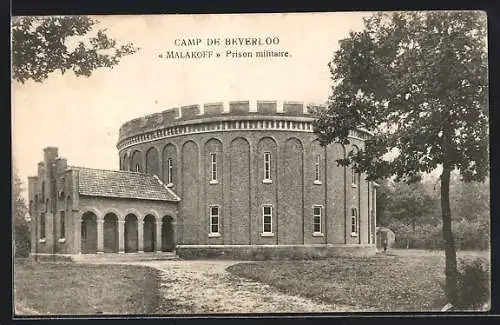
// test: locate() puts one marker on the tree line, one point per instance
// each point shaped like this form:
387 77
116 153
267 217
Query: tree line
413 213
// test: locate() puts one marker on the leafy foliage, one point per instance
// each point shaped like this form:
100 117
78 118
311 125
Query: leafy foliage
410 203
469 203
468 235
21 226
418 82
41 45
473 284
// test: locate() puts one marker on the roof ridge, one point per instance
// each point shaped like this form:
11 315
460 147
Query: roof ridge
109 170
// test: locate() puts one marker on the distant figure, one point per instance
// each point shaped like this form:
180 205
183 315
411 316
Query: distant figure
385 238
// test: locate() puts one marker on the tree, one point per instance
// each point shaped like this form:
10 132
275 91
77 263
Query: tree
41 45
409 203
418 82
470 201
382 196
21 234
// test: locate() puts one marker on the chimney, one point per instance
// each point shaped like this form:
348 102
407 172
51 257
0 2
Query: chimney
41 169
50 155
61 165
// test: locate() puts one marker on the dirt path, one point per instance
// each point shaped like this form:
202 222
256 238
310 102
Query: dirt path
201 287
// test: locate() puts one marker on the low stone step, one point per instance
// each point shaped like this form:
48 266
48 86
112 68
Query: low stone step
126 257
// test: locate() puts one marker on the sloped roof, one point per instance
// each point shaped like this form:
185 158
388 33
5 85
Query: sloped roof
122 184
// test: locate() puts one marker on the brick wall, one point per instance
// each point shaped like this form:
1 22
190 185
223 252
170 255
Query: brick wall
190 221
241 192
290 211
52 193
152 162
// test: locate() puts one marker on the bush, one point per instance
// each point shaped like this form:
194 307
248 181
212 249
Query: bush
471 234
468 235
22 240
473 284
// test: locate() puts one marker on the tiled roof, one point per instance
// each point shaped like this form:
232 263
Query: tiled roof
122 184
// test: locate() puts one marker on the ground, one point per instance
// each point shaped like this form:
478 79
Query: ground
205 287
397 281
75 289
401 280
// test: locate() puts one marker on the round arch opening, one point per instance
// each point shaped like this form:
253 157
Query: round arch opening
110 233
131 234
89 233
167 234
149 228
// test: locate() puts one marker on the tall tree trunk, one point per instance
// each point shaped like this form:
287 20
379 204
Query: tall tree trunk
449 244
414 234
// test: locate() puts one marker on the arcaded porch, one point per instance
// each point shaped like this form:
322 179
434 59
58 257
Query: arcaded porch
128 232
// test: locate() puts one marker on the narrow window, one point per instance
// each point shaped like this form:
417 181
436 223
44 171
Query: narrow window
213 159
267 219
354 221
267 166
63 226
137 168
42 225
170 171
316 168
214 220
317 219
354 178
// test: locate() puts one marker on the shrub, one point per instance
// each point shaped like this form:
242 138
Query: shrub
22 240
468 235
473 284
471 234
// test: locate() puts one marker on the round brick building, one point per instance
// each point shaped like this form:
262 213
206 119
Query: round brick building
253 179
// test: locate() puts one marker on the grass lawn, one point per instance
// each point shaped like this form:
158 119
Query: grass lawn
397 281
84 289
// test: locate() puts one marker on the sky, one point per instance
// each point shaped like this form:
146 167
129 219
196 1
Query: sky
81 116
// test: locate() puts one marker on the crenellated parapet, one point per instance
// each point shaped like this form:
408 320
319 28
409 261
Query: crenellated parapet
219 116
